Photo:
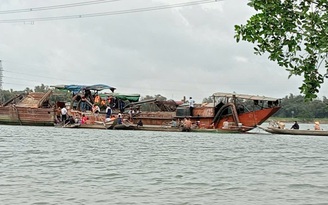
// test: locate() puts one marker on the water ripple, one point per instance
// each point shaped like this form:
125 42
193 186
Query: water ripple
44 165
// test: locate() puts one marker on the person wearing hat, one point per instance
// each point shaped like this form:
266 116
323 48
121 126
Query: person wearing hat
316 126
281 125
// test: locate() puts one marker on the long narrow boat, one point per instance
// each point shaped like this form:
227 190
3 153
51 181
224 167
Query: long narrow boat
275 130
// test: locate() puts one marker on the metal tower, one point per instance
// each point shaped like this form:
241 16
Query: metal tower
1 69
1 96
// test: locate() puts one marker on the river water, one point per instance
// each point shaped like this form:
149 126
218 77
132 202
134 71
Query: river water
46 165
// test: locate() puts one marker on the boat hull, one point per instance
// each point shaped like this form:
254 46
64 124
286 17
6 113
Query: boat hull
274 130
204 117
250 120
27 116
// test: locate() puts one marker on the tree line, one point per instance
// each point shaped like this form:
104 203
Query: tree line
296 106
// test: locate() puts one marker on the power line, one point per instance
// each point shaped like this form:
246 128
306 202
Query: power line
57 6
29 75
36 76
110 13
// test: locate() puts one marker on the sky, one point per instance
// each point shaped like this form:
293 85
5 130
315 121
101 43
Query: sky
175 52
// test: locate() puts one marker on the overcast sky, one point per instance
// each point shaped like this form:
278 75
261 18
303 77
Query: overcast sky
176 52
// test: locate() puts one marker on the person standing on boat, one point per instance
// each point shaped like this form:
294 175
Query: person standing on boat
191 105
97 99
108 111
83 103
295 126
131 113
63 114
96 111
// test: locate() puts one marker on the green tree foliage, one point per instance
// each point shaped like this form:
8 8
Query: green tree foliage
8 94
158 97
208 100
42 88
294 34
297 107
57 95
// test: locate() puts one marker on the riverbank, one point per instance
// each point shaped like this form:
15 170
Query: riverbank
300 120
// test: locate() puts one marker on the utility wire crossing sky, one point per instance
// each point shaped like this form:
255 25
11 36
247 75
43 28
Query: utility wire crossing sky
174 48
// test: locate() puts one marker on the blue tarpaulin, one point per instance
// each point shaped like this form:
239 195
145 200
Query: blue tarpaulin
77 88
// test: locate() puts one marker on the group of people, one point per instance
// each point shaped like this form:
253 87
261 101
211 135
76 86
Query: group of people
63 117
296 126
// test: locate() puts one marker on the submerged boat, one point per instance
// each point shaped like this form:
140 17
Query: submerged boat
28 109
275 130
228 112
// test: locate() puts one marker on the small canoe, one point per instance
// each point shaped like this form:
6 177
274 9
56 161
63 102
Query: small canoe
275 130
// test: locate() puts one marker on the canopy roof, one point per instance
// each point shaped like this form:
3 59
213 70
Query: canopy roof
245 96
76 88
129 97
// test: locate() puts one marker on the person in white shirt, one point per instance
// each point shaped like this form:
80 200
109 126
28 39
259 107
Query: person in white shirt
131 113
95 109
63 114
108 111
191 105
225 124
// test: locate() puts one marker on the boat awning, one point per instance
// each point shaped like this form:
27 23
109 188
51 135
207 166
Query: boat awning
100 87
244 96
76 88
129 97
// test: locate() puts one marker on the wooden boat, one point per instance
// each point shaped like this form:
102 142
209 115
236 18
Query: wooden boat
96 121
275 130
38 108
242 112
28 109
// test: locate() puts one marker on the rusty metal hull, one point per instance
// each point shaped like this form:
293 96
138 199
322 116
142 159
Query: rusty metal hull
31 109
204 117
155 118
11 115
250 120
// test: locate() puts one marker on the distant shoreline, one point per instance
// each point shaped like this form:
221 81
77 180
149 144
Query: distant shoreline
291 120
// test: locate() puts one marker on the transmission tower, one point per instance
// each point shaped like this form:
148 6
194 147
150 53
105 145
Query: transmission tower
1 96
1 69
